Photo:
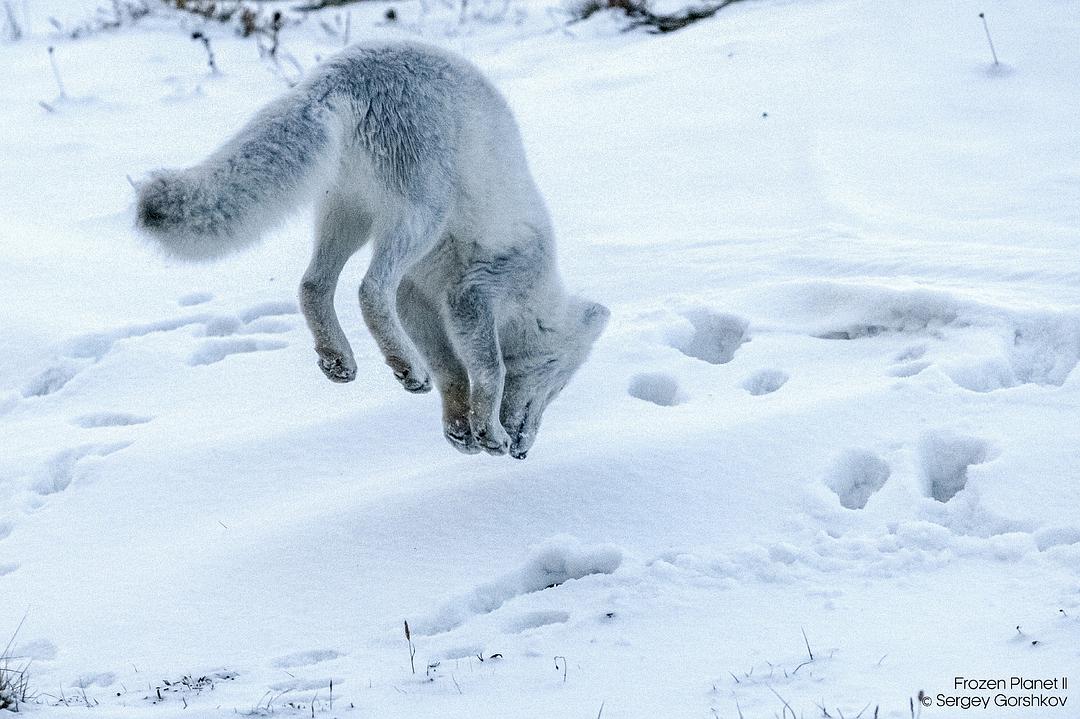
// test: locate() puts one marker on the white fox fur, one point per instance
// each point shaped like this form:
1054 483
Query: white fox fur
411 148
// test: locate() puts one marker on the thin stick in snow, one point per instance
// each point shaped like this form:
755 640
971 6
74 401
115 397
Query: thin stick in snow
56 71
982 16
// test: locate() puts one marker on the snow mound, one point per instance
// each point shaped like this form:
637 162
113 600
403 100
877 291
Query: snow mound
554 562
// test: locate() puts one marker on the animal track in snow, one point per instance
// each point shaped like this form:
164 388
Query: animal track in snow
856 475
109 419
83 350
97 345
715 337
50 380
909 369
914 352
555 562
268 326
296 684
765 381
222 326
58 473
216 350
40 650
8 568
1056 536
861 312
656 387
944 458
100 679
535 620
226 325
1039 351
195 298
5 529
303 659
269 309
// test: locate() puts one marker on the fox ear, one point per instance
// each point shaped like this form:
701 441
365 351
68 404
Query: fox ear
594 318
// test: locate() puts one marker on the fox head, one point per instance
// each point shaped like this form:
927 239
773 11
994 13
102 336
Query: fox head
541 367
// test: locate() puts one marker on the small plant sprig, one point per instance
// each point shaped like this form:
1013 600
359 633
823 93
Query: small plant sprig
209 50
412 647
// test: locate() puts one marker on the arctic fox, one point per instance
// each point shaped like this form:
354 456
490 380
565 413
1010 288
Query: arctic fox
409 147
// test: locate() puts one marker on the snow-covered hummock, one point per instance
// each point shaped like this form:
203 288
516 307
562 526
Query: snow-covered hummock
838 394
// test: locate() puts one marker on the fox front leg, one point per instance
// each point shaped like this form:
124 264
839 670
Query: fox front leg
473 332
424 325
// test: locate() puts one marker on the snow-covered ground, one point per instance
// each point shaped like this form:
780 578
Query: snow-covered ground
836 410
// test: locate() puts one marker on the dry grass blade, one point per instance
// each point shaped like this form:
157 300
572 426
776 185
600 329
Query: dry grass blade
14 678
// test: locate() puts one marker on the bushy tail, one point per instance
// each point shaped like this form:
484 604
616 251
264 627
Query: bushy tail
249 184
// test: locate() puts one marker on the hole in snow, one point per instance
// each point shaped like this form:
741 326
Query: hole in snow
656 387
944 458
715 336
765 381
857 475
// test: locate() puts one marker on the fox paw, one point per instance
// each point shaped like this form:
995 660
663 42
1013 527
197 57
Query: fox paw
493 439
459 435
336 367
520 439
412 381
517 450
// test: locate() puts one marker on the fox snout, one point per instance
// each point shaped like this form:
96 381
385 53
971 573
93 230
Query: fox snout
151 215
155 207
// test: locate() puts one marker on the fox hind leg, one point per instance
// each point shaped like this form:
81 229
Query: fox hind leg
397 248
343 228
